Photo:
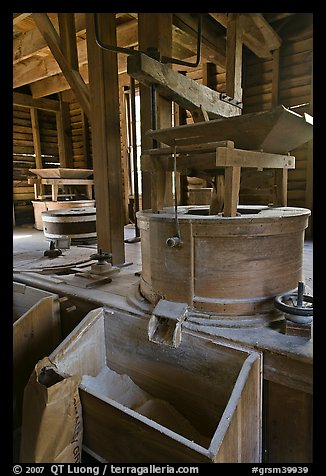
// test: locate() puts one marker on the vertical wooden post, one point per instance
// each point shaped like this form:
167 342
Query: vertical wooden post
37 145
275 77
105 121
180 118
232 186
124 150
280 175
64 135
155 31
68 43
234 57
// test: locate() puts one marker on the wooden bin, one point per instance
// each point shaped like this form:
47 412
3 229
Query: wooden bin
45 205
36 333
215 387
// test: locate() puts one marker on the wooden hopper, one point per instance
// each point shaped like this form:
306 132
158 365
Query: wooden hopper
278 131
62 173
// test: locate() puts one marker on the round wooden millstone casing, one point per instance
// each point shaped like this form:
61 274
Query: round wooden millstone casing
77 223
225 266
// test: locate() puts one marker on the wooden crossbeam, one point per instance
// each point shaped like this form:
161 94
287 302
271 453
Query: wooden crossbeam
25 100
258 35
178 88
213 158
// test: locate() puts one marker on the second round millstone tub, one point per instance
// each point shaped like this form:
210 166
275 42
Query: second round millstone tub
222 266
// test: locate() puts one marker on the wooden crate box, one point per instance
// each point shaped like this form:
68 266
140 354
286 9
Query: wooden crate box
211 390
36 333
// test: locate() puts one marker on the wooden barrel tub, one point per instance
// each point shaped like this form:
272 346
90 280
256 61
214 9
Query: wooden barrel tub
77 223
225 266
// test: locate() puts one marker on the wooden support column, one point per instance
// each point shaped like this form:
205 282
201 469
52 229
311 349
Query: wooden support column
105 121
155 31
281 175
64 135
234 57
123 99
232 187
37 147
180 118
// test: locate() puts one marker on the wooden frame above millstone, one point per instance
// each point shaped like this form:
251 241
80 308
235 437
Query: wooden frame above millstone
183 90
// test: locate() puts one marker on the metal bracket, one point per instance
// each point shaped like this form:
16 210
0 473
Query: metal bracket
164 326
224 97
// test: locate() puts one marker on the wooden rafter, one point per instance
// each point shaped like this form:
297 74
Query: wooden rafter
32 42
73 77
18 17
258 35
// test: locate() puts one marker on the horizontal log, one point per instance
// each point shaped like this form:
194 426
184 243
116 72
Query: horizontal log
226 156
176 87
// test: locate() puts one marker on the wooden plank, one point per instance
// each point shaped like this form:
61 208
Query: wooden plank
18 17
35 334
64 135
36 68
37 142
176 87
276 77
213 43
72 76
30 42
242 442
27 101
283 422
219 376
234 57
226 156
275 131
155 30
68 43
232 188
281 183
103 80
258 35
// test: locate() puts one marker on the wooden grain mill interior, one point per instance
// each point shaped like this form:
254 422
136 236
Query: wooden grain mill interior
162 210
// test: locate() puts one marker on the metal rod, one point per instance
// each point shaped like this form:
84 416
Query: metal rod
300 294
134 151
106 46
177 224
154 111
131 51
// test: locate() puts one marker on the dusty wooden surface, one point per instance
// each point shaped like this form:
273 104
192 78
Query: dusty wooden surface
288 360
198 371
36 333
176 87
278 130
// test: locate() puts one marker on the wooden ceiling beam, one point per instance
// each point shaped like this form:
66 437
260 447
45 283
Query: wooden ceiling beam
213 47
58 83
36 69
31 42
18 17
25 100
258 35
73 77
